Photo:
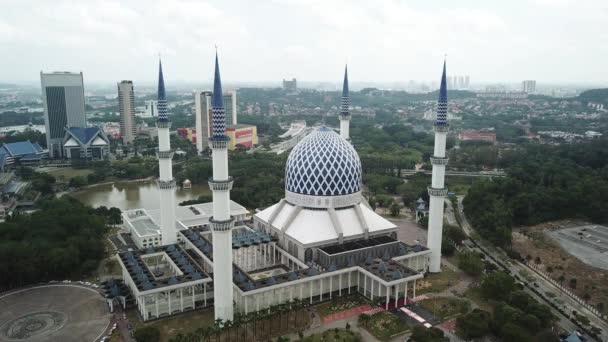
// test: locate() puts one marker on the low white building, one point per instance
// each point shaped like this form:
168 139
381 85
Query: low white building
144 224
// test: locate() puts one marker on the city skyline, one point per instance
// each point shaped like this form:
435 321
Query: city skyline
308 40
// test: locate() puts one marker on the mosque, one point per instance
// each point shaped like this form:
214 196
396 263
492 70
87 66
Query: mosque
322 240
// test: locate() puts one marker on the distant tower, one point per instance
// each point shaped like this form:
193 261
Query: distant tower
126 107
221 222
437 190
64 106
166 183
344 108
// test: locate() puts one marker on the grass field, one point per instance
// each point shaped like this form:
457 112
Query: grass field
65 173
444 307
438 282
338 335
384 325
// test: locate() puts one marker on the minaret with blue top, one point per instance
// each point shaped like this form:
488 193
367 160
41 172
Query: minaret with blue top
437 190
221 222
166 182
345 108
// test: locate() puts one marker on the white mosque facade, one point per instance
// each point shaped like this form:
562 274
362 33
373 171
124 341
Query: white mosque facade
322 240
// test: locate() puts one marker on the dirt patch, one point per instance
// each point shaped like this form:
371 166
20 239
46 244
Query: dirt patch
588 282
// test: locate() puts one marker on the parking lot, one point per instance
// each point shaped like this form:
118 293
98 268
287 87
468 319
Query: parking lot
588 243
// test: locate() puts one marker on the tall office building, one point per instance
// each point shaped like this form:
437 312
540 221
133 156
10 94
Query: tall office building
230 106
528 86
63 100
290 85
151 108
202 106
126 106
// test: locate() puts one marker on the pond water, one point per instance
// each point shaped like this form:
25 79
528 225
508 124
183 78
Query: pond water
133 195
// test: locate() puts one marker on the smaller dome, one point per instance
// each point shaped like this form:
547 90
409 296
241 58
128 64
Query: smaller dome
187 181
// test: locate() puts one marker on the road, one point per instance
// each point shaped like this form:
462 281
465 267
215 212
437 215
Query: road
543 285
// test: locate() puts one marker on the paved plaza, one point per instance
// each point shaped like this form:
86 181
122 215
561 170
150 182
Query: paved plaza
53 313
588 243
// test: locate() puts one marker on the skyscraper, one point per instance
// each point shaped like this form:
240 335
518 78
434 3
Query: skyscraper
230 106
166 182
528 86
151 110
63 100
202 106
437 190
221 222
126 107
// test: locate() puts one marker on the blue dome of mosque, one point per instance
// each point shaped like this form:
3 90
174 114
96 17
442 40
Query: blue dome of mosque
323 164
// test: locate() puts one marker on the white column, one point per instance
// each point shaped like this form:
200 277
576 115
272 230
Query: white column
331 287
372 291
344 129
205 293
340 285
436 203
396 294
349 272
387 294
181 299
364 284
169 301
414 290
405 293
156 304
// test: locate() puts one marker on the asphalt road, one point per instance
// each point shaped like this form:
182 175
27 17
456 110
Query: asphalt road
543 285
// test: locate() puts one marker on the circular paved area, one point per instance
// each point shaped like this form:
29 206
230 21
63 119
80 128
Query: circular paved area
53 313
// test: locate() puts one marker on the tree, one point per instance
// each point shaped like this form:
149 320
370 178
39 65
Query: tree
497 286
422 334
474 324
470 263
395 208
147 334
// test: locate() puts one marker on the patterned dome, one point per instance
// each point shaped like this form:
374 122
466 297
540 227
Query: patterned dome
323 164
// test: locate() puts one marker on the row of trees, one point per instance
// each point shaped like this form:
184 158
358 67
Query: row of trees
277 320
544 183
63 239
516 315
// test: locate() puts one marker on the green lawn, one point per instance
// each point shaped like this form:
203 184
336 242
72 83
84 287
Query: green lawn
444 308
339 304
65 173
169 327
438 282
385 325
338 335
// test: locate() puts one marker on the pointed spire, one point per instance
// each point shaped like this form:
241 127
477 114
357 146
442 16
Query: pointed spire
163 112
442 102
345 106
218 98
345 84
218 113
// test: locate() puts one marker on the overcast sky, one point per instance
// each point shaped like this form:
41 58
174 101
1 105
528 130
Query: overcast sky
267 40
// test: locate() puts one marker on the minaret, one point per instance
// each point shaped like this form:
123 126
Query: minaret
344 108
221 222
437 190
166 182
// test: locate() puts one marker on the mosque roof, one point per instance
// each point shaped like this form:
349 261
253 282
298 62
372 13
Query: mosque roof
323 164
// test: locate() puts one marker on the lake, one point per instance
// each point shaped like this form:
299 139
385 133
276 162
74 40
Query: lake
133 195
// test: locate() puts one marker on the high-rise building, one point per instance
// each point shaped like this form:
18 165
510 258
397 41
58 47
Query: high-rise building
126 107
437 190
202 106
151 108
528 86
230 106
467 80
63 100
290 85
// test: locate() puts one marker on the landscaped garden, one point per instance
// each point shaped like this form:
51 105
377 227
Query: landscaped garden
383 325
340 304
337 335
445 307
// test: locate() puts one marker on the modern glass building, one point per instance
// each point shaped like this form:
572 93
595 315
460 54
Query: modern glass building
63 99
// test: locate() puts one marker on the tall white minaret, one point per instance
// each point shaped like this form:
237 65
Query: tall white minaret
221 222
166 182
345 108
437 190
